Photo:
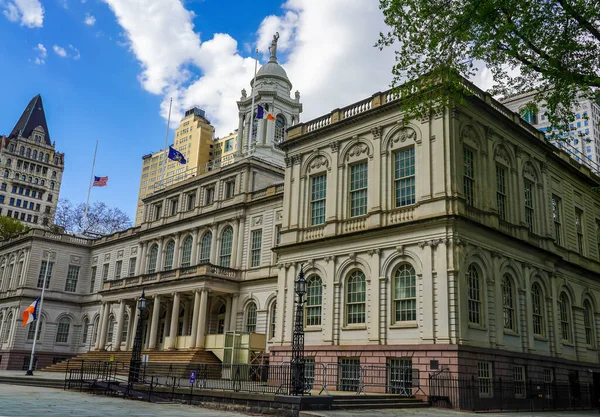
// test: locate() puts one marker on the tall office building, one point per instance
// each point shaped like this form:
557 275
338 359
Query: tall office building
194 139
31 169
582 142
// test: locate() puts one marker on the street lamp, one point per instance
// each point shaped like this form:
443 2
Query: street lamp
297 384
136 353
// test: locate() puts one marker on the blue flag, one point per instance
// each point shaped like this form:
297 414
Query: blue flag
175 155
260 112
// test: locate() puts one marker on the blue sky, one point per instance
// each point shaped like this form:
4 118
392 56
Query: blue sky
107 69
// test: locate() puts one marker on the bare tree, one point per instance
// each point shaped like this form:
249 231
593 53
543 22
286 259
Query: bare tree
100 219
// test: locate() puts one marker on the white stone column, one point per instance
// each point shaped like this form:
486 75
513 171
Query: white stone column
202 318
141 260
133 324
195 318
174 321
154 322
99 329
104 328
194 258
428 298
213 245
186 316
227 313
120 323
327 301
234 246
374 298
176 252
240 245
233 317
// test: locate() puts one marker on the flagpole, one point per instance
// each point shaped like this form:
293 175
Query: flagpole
252 109
38 319
162 180
87 203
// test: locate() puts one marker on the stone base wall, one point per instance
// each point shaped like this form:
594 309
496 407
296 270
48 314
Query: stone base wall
16 360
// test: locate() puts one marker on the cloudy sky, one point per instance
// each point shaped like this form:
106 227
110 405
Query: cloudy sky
106 70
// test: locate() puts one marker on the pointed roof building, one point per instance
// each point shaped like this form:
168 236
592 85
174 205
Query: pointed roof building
32 117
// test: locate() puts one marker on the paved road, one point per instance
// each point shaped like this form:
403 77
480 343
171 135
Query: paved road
23 401
437 412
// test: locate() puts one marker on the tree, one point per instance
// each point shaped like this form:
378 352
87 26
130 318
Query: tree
10 227
101 218
548 46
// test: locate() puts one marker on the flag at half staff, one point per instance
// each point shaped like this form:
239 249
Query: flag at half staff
260 113
30 313
175 155
100 181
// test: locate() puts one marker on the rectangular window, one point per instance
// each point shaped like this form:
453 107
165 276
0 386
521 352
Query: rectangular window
309 372
579 228
529 205
157 210
93 280
43 272
469 177
557 216
191 201
118 267
501 191
519 381
318 191
105 272
349 374
484 379
72 277
209 196
256 247
404 177
132 266
548 382
358 189
173 207
229 189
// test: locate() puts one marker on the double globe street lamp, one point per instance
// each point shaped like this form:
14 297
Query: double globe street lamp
297 383
136 353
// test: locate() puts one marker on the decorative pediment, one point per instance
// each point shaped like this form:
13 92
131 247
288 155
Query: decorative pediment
403 135
106 257
279 215
502 154
133 250
120 254
469 134
95 260
357 150
257 220
318 162
76 260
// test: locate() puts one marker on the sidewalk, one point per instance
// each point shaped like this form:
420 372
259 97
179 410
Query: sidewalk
36 375
440 412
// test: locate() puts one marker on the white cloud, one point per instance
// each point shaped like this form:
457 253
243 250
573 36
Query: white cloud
89 20
30 12
60 51
42 53
76 55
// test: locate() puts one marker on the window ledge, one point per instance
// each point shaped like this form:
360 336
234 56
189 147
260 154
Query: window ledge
355 327
592 348
509 332
540 338
312 329
566 343
477 326
405 325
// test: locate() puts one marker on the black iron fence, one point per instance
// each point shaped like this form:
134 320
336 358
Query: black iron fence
470 393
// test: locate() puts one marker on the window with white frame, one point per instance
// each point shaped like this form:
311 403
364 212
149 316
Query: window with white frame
111 330
529 212
256 242
548 382
405 294
358 189
125 327
564 314
314 300
484 379
173 206
31 331
318 199
191 201
579 229
251 318
93 279
118 268
226 246
501 192
356 296
519 381
469 177
169 254
45 269
105 268
474 295
557 217
588 323
209 195
186 252
62 333
132 262
84 330
404 177
508 303
229 188
273 320
72 277
205 248
537 302
153 259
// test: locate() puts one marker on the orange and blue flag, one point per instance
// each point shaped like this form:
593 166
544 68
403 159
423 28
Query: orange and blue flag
30 313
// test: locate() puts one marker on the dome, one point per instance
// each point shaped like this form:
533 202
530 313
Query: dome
272 69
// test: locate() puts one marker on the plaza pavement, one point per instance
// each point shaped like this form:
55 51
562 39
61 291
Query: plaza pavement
439 412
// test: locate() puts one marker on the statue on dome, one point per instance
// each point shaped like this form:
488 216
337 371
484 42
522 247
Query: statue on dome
273 47
244 93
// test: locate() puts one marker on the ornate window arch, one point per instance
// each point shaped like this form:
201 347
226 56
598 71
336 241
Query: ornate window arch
22 151
205 247
251 317
7 327
314 300
508 303
95 329
153 258
186 251
273 319
356 298
28 152
226 247
538 310
110 334
125 330
84 331
588 323
34 156
474 296
280 124
62 331
169 254
564 316
405 293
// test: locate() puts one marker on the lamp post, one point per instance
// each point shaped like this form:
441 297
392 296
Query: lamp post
297 384
136 352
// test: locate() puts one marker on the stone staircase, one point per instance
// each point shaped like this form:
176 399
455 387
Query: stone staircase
171 356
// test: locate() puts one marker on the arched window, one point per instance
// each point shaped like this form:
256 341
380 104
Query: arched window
35 180
314 300
29 179
34 156
251 318
405 293
46 157
22 150
51 184
169 252
125 328
28 153
186 252
356 298
279 129
11 147
95 333
62 333
474 296
111 330
6 173
537 303
42 182
84 333
221 319
226 244
205 248
273 320
153 258
41 156
8 161
508 303
7 326
564 315
588 323
31 330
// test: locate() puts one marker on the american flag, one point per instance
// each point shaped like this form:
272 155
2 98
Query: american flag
100 181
